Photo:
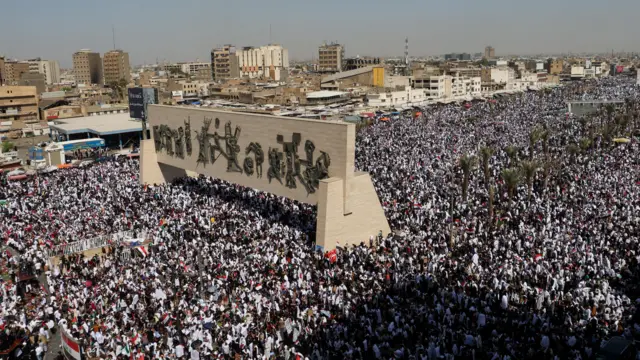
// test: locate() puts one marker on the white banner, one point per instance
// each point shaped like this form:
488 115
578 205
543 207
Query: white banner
97 242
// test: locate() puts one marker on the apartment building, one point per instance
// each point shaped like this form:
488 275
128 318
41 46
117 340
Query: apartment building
19 103
13 71
441 87
385 98
330 57
49 68
489 52
189 88
116 67
360 62
554 66
1 70
197 70
503 75
267 62
224 63
87 67
465 86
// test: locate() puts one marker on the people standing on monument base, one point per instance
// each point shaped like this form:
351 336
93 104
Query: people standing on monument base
516 234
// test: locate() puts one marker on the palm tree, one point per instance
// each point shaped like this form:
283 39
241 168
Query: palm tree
511 179
544 136
573 150
607 131
547 167
534 136
609 109
585 144
512 153
492 194
622 122
486 153
467 163
529 169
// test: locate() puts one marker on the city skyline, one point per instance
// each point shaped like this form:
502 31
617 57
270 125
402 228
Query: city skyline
151 30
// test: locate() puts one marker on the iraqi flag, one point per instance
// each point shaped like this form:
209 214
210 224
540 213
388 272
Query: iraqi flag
70 347
143 250
537 257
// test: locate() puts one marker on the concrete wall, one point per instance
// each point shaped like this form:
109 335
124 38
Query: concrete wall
330 137
349 210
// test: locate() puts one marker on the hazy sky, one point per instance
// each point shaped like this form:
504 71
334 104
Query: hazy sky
187 29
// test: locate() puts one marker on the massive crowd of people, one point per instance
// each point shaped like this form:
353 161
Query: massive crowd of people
515 236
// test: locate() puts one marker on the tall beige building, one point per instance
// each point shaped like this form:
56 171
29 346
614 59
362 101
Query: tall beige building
489 52
13 71
18 103
116 66
267 62
87 67
224 63
1 70
49 68
330 58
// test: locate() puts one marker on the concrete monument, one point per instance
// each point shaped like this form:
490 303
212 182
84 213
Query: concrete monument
309 161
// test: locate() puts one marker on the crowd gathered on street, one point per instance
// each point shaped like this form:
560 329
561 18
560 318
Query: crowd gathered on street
515 230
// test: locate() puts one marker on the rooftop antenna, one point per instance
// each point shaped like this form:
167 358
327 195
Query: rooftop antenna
113 34
269 34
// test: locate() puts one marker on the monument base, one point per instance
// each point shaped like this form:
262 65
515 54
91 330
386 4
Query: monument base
365 217
151 171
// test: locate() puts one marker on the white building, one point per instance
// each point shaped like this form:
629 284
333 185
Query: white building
268 62
465 86
193 68
577 72
49 68
503 75
526 81
444 87
438 86
386 99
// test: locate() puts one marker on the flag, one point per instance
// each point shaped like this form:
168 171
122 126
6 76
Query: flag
142 251
126 350
332 256
537 257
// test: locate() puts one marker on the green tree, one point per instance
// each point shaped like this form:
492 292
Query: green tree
609 110
607 131
486 153
529 169
512 153
544 136
7 146
511 179
467 164
547 167
573 150
492 195
534 136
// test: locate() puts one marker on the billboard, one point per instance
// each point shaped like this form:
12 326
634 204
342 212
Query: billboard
70 346
139 98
